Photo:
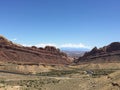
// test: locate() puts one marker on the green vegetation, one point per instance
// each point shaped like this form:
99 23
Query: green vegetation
101 72
58 73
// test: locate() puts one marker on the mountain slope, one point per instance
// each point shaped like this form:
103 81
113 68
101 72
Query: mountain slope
10 52
110 53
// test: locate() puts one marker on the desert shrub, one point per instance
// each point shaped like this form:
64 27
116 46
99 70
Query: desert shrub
2 81
57 73
102 72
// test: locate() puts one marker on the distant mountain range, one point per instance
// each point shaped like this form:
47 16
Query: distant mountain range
75 52
75 49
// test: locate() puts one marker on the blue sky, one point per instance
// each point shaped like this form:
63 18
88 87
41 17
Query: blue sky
77 23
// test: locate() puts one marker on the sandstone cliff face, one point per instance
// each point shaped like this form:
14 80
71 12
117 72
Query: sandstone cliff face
110 53
10 52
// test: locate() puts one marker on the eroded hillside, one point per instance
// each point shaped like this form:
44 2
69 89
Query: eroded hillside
110 53
15 53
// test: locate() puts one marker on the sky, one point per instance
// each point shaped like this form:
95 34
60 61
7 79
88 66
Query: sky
62 23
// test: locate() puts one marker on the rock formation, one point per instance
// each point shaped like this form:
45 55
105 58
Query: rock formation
11 52
110 53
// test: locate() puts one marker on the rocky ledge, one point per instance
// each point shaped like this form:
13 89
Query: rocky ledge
15 53
110 53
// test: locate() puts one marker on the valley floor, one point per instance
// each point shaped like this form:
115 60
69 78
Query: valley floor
80 77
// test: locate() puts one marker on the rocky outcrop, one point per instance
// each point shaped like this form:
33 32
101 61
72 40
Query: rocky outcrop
10 52
110 53
4 41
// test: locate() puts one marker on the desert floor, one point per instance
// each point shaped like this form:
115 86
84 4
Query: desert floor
80 77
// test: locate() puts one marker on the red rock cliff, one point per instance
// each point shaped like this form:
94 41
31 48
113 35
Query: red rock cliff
10 52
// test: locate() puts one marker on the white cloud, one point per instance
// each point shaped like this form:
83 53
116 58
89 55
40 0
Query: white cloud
27 45
45 44
67 45
70 45
14 39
